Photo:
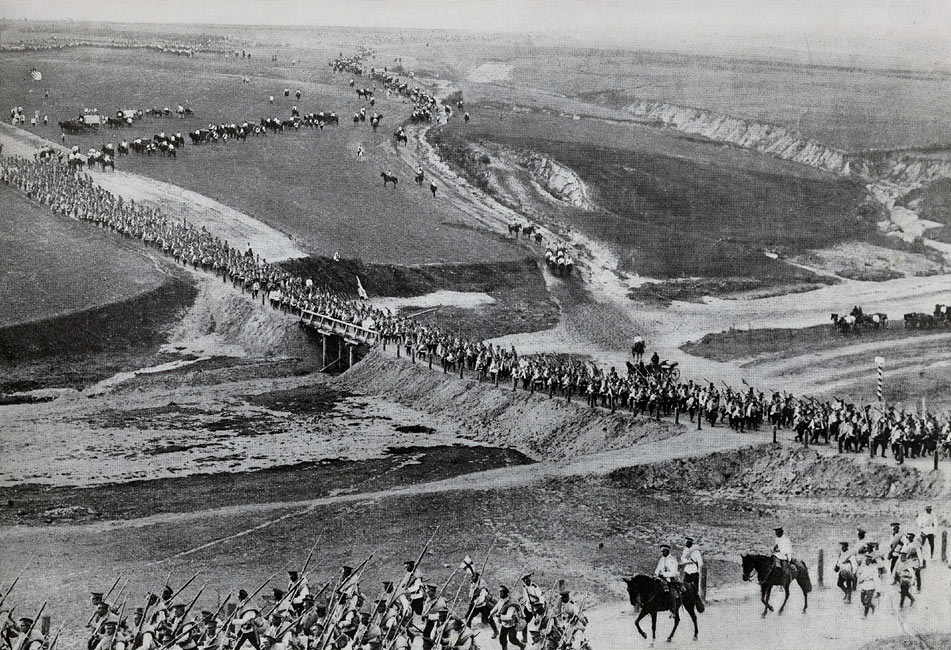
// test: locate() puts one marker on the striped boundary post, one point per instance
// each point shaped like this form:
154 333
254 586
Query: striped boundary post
880 394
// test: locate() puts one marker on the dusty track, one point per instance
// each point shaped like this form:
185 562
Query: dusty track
604 327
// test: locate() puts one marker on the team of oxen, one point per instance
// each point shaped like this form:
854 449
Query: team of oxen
857 321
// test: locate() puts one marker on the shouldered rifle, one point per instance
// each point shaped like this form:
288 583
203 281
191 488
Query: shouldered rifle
244 602
16 580
178 627
184 586
56 636
26 635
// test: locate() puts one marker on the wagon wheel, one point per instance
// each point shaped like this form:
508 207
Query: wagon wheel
675 374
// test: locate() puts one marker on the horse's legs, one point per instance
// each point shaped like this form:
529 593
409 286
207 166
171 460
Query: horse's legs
653 625
783 606
693 617
676 622
637 623
764 597
805 597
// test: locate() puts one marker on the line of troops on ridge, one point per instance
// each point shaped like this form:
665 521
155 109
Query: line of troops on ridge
408 614
644 388
649 388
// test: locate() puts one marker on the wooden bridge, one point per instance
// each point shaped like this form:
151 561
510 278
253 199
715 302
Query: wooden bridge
351 333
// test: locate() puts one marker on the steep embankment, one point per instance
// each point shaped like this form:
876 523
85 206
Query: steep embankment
556 179
781 471
224 321
548 429
765 138
889 177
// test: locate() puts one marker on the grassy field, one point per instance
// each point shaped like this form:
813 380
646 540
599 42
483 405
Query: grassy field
682 208
845 105
787 343
53 265
307 184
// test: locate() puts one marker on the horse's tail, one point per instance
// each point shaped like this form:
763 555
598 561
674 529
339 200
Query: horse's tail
802 576
692 596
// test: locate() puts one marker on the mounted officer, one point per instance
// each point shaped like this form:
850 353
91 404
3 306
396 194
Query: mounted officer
668 572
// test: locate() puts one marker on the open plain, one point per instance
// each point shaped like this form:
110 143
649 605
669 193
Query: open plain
160 417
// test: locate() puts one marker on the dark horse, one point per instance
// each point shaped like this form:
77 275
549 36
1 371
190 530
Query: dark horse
388 178
768 577
649 595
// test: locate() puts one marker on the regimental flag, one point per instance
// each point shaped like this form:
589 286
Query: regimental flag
467 564
36 75
361 291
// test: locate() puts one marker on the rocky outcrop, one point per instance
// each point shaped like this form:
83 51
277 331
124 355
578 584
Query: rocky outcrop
558 180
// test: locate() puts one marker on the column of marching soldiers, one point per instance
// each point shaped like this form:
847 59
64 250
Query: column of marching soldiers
645 388
408 614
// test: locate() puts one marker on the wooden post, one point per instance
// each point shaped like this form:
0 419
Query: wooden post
703 582
936 453
820 567
350 362
677 414
429 354
944 546
323 354
774 434
399 344
462 366
700 419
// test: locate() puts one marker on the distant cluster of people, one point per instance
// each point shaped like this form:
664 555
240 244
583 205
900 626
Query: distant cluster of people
164 47
409 612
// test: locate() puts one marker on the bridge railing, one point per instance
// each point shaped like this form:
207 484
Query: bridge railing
351 332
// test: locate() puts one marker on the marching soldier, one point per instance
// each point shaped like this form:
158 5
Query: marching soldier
411 589
904 575
868 581
507 613
927 525
299 592
480 602
30 637
531 596
692 562
894 545
845 566
915 555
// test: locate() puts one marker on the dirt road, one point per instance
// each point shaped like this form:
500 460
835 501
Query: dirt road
732 620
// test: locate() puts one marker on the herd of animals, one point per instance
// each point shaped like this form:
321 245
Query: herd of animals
857 321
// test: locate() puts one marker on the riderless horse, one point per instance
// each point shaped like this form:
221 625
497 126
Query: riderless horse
770 576
651 595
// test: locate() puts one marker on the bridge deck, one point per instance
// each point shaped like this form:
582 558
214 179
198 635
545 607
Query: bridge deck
353 334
